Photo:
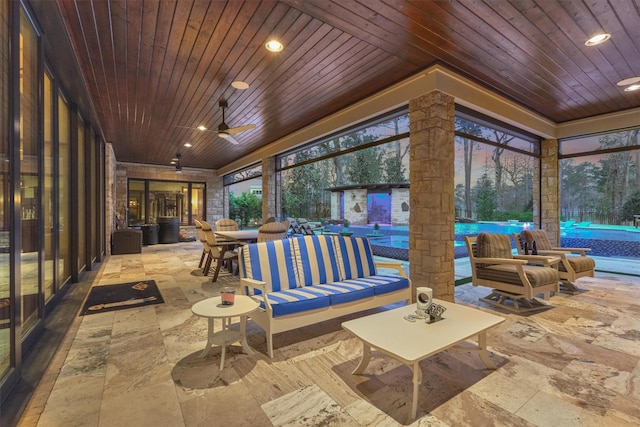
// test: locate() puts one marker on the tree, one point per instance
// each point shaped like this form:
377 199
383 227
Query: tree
247 207
364 167
486 198
502 139
631 206
468 146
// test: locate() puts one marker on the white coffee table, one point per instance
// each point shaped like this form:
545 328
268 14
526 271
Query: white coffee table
212 308
390 334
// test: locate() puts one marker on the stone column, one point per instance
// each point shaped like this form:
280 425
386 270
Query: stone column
548 192
400 206
432 215
269 188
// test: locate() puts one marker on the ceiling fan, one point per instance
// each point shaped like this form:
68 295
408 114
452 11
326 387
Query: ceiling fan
224 131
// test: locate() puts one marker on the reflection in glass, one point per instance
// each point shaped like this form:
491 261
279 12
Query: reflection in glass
165 199
29 191
48 189
5 331
81 225
64 189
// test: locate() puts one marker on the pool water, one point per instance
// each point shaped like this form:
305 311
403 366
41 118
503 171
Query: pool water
618 242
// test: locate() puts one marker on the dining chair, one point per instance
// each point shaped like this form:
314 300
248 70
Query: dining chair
203 240
226 224
220 252
272 231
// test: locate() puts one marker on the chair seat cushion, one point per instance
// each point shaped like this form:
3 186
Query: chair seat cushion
579 264
383 284
296 300
538 276
346 291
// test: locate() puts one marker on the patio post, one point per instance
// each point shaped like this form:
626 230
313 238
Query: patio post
431 211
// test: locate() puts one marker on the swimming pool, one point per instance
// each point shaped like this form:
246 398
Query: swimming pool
603 241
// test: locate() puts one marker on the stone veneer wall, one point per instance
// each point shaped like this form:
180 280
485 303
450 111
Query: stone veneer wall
335 205
432 215
110 193
549 191
355 206
400 206
269 207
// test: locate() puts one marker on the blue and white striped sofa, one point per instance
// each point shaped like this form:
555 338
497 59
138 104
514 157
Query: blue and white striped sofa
306 280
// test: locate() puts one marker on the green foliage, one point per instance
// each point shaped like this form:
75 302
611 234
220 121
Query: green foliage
517 215
345 223
631 206
376 226
364 167
394 170
486 202
247 207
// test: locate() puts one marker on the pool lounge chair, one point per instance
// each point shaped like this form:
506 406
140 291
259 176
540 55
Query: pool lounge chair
574 263
514 281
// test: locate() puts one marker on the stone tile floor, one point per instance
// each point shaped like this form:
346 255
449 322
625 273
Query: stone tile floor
574 364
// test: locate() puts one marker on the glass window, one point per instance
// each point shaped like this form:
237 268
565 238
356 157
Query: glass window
81 225
47 192
243 196
590 143
64 191
165 198
600 194
30 192
493 183
5 296
367 161
197 201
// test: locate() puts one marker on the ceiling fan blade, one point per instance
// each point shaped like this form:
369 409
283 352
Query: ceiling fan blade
240 128
231 140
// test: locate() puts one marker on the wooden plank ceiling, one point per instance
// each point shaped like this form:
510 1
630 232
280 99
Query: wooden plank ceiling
155 67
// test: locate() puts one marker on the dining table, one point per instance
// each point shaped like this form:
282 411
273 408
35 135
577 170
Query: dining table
248 236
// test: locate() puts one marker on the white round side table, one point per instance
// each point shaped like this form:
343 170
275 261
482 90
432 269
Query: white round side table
212 308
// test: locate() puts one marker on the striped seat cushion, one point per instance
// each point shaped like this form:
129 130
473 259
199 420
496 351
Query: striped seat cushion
271 262
493 246
579 264
356 256
538 276
290 301
316 260
345 291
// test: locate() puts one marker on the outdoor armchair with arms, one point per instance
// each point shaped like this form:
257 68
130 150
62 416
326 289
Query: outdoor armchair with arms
574 263
514 281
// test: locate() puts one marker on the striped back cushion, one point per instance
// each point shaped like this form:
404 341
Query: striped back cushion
271 262
494 246
538 236
356 256
316 260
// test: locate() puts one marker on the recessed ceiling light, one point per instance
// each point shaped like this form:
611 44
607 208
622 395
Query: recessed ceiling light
631 88
240 85
629 81
274 46
201 128
597 39
188 144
